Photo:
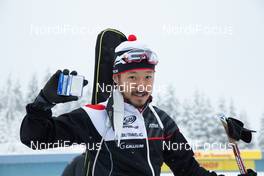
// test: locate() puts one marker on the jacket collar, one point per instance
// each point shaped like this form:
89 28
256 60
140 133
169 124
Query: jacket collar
140 109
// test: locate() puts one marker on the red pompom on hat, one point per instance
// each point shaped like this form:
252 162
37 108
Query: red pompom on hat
131 43
132 37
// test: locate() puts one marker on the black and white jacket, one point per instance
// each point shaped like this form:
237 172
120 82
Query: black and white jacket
146 141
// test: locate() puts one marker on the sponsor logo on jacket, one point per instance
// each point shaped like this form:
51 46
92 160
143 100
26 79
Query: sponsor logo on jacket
132 134
123 145
128 122
153 125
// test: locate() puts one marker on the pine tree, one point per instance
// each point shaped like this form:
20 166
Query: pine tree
261 133
219 131
18 98
232 109
222 107
186 117
198 116
13 112
32 89
8 101
3 130
3 127
1 99
168 102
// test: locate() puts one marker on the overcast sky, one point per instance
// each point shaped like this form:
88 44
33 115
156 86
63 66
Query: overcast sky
210 45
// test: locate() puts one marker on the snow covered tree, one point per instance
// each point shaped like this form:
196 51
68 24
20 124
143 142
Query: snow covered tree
168 102
18 98
32 89
232 109
1 99
13 112
261 133
222 107
186 117
219 131
3 130
3 122
8 101
198 116
204 117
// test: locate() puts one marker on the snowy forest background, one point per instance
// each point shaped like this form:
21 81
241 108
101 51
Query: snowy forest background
195 116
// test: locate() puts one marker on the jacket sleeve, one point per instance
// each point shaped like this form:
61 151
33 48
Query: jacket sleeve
180 157
39 127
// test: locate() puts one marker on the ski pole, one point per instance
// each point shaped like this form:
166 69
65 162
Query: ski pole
239 161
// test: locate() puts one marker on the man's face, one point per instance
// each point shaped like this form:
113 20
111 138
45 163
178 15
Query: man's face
136 86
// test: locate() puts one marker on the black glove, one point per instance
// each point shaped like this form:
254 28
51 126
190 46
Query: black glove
48 96
250 172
